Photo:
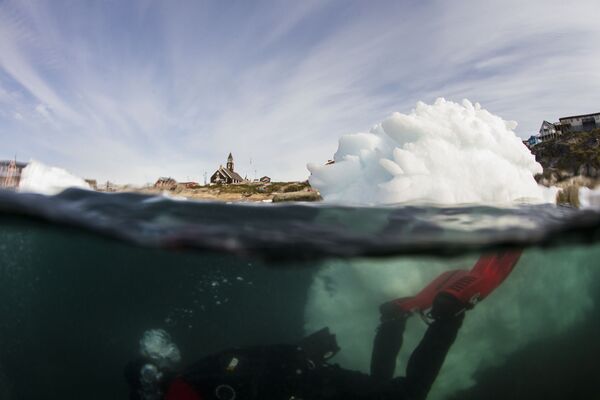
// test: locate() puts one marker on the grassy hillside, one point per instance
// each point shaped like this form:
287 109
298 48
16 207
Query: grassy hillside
252 188
274 191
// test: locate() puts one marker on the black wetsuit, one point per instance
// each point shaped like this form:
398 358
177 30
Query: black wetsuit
284 372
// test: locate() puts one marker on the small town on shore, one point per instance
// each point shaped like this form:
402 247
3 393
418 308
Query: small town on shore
568 150
225 184
554 130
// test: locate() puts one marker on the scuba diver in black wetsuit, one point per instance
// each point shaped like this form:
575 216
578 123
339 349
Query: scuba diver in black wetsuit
302 371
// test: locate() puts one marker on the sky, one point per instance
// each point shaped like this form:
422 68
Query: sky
128 91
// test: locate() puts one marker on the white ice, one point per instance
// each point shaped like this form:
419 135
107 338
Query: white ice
39 178
444 153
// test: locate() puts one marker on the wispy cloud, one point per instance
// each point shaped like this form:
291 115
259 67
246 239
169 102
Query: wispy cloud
131 90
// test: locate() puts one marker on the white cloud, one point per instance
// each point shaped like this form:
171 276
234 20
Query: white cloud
43 110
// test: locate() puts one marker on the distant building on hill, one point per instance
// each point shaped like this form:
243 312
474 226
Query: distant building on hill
226 175
188 185
532 141
166 183
580 123
575 123
548 131
10 173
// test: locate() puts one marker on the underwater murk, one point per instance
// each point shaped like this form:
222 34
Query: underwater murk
83 275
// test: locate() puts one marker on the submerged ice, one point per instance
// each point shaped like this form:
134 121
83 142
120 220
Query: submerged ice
546 294
444 153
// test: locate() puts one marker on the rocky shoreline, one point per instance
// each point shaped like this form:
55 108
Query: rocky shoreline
570 158
244 192
570 162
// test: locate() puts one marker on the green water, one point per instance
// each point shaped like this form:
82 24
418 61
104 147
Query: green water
74 306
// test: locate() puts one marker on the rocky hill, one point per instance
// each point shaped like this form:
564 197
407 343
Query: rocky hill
572 156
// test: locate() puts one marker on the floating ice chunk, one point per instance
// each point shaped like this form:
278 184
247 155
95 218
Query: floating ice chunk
39 178
445 153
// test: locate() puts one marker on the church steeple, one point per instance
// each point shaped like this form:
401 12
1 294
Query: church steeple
230 162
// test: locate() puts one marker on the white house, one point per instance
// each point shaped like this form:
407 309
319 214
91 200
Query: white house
580 123
548 131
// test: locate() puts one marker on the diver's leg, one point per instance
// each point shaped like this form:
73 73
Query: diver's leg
388 341
427 359
394 313
448 296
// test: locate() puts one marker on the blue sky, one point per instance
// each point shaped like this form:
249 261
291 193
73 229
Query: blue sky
132 90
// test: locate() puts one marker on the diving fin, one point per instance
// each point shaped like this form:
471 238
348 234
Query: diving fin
485 276
468 287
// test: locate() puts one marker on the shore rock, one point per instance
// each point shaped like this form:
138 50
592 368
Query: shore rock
297 196
569 196
573 158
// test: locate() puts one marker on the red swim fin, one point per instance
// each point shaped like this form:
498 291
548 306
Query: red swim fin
485 276
424 299
469 287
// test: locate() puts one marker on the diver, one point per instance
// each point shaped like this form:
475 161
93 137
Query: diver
303 371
